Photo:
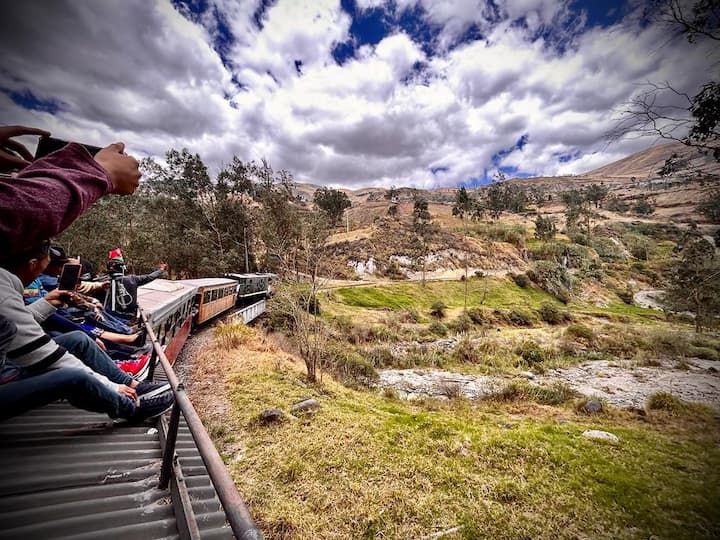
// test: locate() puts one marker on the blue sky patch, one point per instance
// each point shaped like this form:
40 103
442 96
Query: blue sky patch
31 102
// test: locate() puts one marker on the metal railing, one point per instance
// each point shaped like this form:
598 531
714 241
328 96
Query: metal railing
238 516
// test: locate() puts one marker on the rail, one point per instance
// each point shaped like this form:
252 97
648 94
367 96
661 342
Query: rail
239 518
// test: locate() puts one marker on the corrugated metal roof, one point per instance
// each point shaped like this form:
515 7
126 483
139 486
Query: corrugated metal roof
208 282
69 473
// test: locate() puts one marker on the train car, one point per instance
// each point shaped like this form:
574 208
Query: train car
213 296
252 287
169 308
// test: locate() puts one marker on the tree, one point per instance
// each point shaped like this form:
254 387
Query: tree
392 196
463 208
333 202
710 206
545 228
596 193
643 207
662 110
695 282
424 230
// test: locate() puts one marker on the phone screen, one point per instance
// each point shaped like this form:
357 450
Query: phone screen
69 277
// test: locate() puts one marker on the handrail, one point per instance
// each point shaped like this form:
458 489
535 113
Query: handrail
241 522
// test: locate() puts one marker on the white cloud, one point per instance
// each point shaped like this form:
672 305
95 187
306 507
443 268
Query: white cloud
144 73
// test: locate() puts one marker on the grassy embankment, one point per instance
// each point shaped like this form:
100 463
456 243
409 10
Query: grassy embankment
369 466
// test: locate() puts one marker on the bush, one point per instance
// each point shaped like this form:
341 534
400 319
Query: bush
533 354
381 357
616 204
437 310
521 318
551 314
348 365
626 295
607 248
438 328
574 255
641 247
480 315
231 336
643 207
546 395
580 331
664 401
706 353
465 351
552 278
462 324
503 232
521 280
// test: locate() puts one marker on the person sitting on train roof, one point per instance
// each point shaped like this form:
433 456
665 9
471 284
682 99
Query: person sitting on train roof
88 311
102 384
124 293
46 196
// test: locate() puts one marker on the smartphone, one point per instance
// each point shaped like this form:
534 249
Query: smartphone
50 144
69 277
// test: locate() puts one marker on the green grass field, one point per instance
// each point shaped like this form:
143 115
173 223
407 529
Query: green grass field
365 466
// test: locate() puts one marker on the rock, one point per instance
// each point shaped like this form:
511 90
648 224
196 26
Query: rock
305 405
270 416
527 375
602 435
593 406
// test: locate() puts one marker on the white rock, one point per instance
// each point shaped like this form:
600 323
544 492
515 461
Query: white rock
603 435
527 375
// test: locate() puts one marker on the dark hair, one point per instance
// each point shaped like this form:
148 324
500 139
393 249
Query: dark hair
16 260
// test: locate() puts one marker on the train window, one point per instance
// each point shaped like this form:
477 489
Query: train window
206 297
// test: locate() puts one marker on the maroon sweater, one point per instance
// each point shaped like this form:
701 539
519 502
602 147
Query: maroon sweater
47 196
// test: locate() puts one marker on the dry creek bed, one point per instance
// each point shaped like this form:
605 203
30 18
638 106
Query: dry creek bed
622 384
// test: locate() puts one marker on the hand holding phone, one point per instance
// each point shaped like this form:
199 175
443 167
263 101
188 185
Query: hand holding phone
69 277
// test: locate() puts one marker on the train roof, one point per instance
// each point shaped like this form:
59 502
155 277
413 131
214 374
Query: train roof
207 282
161 296
250 275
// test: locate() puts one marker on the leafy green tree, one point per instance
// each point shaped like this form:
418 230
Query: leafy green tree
424 230
464 208
695 282
545 228
710 206
596 194
333 202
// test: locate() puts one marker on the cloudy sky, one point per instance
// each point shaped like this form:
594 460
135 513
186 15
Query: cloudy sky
346 93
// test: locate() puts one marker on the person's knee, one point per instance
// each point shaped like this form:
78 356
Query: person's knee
74 339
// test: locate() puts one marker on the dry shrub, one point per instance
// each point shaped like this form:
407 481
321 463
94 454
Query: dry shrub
580 331
556 394
232 335
664 401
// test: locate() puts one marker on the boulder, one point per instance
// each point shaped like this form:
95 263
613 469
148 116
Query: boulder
593 406
305 405
601 435
270 416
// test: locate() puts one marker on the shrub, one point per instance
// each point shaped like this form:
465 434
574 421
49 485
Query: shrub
346 363
465 351
626 295
552 278
706 353
479 315
607 248
580 331
232 335
616 204
664 401
462 324
573 255
521 318
643 207
502 232
546 395
551 314
533 354
381 357
521 280
437 310
639 246
438 328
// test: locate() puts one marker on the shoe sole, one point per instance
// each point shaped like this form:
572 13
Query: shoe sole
160 390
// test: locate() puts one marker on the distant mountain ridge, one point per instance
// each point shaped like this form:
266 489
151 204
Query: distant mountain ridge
643 165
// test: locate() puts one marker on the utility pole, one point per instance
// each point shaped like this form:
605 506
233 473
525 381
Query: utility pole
247 263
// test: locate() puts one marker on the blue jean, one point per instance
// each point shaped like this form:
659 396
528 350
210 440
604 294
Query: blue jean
110 322
77 386
87 351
